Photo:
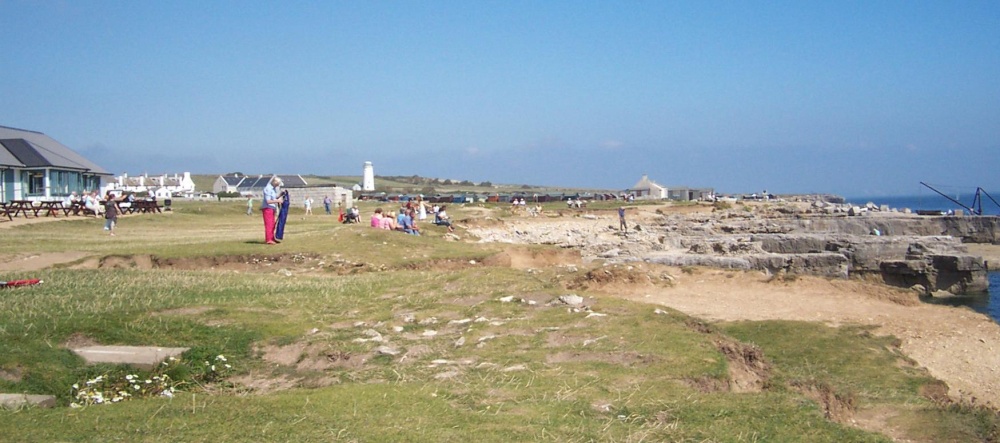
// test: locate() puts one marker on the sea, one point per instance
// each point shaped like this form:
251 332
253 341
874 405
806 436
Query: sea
928 202
988 303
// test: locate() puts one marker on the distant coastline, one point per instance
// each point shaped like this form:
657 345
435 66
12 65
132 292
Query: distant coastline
923 202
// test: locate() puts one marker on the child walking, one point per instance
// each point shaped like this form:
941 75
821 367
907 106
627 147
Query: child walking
110 214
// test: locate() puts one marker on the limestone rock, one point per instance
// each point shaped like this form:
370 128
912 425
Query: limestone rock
17 401
571 299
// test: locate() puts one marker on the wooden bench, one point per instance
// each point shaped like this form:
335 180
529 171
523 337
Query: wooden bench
152 206
52 208
22 207
4 210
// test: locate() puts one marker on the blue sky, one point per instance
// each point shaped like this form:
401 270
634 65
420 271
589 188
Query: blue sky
853 98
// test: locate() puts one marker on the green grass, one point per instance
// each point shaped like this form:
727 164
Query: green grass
524 372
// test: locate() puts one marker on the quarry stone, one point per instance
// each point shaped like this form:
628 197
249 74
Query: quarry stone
822 238
17 401
142 357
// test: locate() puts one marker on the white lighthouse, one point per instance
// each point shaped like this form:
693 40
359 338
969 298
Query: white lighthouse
368 178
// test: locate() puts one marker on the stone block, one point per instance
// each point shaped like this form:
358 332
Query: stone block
142 357
17 401
904 267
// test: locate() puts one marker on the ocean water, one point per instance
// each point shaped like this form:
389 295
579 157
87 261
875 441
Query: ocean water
929 201
988 303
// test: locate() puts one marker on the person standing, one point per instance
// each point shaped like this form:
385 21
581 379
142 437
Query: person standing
327 201
249 205
110 213
268 206
621 219
309 205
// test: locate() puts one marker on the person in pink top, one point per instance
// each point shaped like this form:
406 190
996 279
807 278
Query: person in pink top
377 218
388 222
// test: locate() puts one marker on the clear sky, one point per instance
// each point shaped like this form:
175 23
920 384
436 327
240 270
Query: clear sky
854 98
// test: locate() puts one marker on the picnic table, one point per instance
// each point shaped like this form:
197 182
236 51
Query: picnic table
146 206
140 206
52 208
22 207
4 210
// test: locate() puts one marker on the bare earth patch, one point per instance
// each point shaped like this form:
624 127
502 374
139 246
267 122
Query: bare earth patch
957 345
14 375
35 262
525 258
625 359
79 340
748 372
311 357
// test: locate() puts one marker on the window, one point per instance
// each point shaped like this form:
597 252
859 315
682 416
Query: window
63 182
36 183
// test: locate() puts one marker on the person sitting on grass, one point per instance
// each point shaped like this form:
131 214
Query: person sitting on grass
388 221
407 224
399 218
442 219
377 218
350 216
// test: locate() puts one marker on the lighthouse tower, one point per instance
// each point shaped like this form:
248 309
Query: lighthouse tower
368 178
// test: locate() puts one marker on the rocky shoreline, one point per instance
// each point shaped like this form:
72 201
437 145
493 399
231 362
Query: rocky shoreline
925 253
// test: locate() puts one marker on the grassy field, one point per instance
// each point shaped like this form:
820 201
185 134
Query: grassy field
343 333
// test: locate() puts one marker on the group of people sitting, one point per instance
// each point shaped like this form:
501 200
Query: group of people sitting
94 204
91 201
353 215
520 205
405 220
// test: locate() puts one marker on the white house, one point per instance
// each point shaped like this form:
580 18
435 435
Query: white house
648 189
161 186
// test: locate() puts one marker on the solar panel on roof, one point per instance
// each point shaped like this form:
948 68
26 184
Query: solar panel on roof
25 153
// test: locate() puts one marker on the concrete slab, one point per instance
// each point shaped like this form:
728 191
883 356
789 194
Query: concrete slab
142 357
17 401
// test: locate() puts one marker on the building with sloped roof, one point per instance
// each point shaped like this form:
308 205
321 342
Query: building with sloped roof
34 166
253 185
161 186
298 189
648 189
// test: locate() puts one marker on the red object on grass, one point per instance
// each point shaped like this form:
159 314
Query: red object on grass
13 283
